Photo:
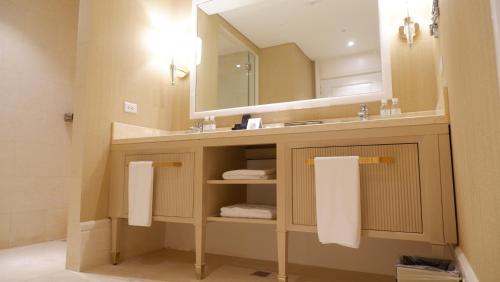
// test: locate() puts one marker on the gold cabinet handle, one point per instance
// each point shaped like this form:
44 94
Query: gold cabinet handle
364 160
166 164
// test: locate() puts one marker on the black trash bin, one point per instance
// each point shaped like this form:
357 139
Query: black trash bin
418 269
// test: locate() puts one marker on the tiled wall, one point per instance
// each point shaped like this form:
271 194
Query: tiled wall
37 54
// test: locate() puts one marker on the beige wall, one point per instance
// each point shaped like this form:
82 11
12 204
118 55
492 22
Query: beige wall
285 74
471 76
113 66
37 55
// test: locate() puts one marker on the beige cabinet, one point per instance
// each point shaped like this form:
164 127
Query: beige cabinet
173 185
390 193
410 198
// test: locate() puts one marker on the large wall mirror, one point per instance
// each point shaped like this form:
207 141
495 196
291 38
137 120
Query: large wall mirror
271 55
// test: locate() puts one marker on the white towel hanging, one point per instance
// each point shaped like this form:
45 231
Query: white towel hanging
338 203
140 193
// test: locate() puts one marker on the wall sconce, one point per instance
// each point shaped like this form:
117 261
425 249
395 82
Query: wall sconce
169 44
409 31
177 71
183 71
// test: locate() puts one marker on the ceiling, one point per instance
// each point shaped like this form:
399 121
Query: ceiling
321 28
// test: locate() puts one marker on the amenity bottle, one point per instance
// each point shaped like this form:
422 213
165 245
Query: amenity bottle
385 109
395 108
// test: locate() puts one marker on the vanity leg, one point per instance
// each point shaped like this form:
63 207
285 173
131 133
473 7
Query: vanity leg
115 253
282 255
200 251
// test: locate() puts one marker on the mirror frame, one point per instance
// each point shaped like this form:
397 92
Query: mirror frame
386 32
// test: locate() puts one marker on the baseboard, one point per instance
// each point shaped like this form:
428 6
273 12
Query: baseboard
95 224
95 243
465 267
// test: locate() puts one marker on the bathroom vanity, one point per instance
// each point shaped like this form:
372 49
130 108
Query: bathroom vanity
411 198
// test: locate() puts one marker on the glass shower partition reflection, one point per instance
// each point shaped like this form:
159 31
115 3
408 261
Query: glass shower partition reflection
236 80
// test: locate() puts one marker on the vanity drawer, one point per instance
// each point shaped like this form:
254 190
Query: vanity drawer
390 193
173 185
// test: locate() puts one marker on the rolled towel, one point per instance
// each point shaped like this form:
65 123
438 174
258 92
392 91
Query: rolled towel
249 211
248 173
249 177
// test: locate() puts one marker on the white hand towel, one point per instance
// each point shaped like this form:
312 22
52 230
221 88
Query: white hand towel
249 211
140 193
249 172
338 202
249 177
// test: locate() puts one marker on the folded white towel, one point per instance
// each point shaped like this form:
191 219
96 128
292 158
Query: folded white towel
140 193
249 172
249 177
338 203
249 211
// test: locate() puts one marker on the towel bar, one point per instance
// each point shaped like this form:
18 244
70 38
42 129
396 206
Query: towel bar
166 164
364 160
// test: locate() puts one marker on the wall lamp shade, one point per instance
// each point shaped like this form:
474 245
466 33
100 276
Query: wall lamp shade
177 71
409 31
172 53
181 71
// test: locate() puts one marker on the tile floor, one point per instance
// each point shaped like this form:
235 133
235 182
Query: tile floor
45 263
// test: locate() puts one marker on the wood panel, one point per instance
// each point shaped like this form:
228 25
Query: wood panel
173 186
470 73
390 193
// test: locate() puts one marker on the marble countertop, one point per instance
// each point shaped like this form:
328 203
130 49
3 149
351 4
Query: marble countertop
131 134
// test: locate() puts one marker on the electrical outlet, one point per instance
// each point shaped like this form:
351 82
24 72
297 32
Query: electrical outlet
130 108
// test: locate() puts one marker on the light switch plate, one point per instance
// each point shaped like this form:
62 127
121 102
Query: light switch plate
130 108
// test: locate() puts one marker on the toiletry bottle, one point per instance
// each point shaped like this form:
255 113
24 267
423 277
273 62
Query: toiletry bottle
385 109
206 124
395 109
213 125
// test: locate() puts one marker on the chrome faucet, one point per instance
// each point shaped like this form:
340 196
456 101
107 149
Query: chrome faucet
197 127
363 112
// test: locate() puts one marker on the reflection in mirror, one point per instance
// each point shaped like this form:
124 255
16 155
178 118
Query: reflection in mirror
279 51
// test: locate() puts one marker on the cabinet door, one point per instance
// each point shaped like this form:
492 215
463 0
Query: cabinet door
390 193
173 186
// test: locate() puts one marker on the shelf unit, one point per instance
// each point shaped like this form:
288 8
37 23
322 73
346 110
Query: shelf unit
240 220
226 192
242 181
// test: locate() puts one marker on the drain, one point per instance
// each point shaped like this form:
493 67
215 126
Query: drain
261 273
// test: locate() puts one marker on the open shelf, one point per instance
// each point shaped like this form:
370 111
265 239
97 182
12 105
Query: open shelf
242 181
240 220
